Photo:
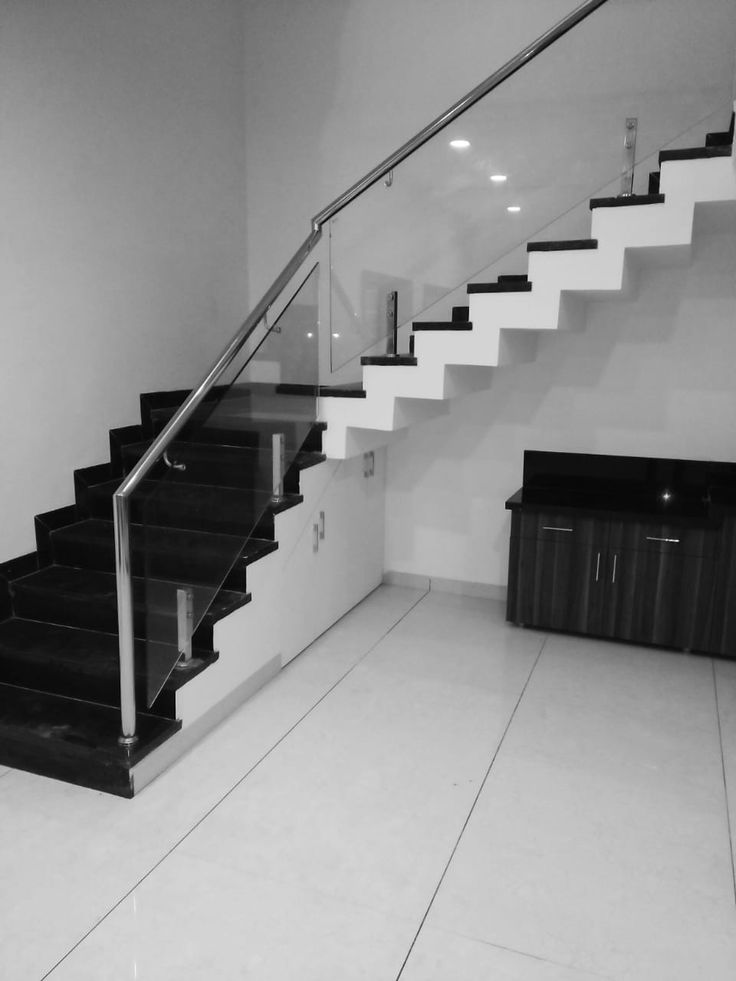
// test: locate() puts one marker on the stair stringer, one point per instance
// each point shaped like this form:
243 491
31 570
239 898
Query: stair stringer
561 283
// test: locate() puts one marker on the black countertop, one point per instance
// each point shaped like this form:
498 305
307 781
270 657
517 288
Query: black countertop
647 486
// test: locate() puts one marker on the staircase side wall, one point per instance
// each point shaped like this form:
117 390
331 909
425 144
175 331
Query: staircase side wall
650 375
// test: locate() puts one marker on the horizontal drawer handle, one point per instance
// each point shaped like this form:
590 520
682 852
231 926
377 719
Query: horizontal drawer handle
674 541
553 528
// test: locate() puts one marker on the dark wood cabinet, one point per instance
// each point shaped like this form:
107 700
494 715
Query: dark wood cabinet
641 549
639 581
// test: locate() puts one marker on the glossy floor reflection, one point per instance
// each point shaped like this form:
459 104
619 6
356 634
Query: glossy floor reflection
426 793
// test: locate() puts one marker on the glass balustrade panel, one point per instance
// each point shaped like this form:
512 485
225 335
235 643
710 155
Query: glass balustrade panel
529 153
208 511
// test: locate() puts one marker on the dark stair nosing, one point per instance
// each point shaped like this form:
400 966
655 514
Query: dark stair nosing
568 245
512 278
352 391
654 178
724 138
87 598
442 325
389 359
627 201
695 153
461 314
81 662
507 286
73 740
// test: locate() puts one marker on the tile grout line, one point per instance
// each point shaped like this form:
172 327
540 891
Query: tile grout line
470 812
234 787
725 780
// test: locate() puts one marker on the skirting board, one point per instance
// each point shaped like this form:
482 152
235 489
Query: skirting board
462 587
161 759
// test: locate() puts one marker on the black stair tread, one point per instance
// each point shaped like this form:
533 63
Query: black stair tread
627 201
208 453
563 245
512 278
724 138
695 153
78 651
461 314
654 178
389 359
507 286
351 391
442 325
74 740
257 548
69 585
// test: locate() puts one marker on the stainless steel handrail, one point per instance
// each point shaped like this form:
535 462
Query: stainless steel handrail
121 515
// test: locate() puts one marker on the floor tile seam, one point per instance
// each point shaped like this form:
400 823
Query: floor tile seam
729 822
524 953
471 810
333 897
234 787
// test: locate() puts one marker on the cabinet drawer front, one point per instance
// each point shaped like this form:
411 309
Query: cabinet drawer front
654 536
562 527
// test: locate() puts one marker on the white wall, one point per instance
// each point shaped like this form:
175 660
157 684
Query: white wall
333 86
122 241
651 375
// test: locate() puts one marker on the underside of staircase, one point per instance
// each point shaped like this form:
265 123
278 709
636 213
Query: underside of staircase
59 674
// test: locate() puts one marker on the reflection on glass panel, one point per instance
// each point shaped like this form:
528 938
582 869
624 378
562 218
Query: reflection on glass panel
550 137
209 508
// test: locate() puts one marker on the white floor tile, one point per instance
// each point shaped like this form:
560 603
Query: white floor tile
600 839
56 836
368 798
191 920
443 956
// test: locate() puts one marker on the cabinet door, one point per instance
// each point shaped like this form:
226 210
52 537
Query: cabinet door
658 597
558 584
723 636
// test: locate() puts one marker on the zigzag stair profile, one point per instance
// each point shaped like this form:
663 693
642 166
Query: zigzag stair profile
59 667
503 318
59 680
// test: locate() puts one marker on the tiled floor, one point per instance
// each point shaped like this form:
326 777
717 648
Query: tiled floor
426 794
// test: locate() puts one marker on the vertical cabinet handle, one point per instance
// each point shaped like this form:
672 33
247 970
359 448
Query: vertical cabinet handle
315 538
598 567
321 525
615 562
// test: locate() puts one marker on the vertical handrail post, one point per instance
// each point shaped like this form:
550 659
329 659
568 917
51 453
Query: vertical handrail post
125 620
392 323
277 468
629 156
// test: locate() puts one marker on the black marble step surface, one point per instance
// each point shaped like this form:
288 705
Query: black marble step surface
724 138
568 245
218 463
512 278
74 740
461 314
390 360
654 177
351 391
176 503
159 553
81 663
420 325
87 598
694 153
628 201
505 286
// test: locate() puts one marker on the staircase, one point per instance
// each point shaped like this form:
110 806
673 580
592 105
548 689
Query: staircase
59 681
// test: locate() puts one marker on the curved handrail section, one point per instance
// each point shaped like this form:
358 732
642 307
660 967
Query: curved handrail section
123 563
